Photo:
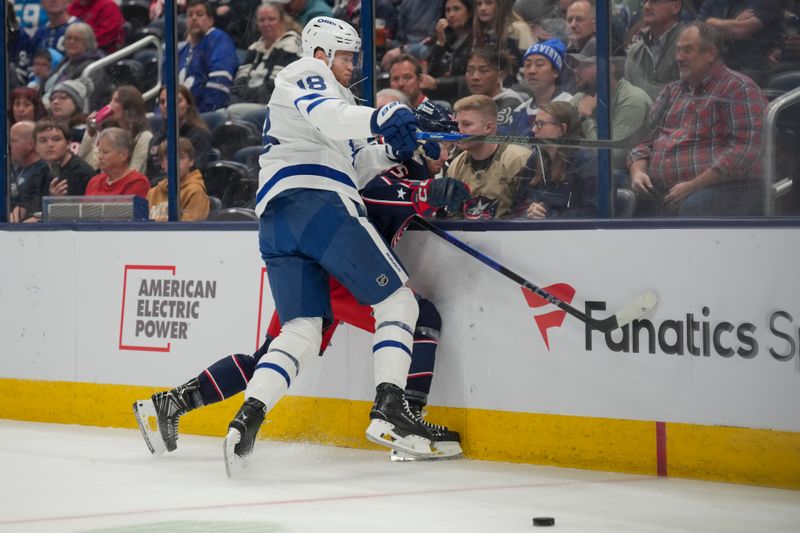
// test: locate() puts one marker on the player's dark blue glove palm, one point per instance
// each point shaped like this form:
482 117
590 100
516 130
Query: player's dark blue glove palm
398 126
448 193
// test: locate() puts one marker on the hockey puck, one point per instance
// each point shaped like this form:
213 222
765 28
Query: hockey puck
544 521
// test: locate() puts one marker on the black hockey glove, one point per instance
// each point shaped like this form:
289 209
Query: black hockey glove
448 193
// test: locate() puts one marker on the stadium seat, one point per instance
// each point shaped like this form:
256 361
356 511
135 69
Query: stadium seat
126 72
625 203
234 214
253 113
233 135
137 14
222 177
214 118
149 72
214 205
156 123
248 156
243 194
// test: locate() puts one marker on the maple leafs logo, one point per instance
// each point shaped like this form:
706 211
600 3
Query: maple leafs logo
551 319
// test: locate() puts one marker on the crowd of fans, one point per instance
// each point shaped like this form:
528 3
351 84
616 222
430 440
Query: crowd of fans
688 81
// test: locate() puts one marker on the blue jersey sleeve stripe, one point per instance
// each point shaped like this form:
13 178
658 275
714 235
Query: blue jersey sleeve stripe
304 170
391 344
315 103
310 96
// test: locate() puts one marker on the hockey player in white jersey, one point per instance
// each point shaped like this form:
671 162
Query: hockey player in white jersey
313 223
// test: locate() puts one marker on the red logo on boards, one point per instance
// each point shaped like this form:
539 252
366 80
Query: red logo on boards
550 319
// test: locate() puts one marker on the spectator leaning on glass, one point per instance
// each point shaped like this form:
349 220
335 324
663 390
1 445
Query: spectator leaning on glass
492 172
116 176
564 182
190 125
126 111
541 69
68 174
703 156
206 59
192 193
81 50
28 175
651 59
277 47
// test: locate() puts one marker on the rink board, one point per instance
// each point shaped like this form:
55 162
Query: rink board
707 387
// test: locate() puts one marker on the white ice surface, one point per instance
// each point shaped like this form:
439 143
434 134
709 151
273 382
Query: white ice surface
73 478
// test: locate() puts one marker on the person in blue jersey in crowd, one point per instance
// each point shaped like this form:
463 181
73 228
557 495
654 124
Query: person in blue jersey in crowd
391 198
207 59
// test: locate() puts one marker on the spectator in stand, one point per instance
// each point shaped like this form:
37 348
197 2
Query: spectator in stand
105 18
127 112
277 47
630 105
703 156
752 28
486 70
192 193
447 62
541 69
385 11
304 10
68 173
68 105
651 60
207 59
492 172
564 182
81 51
50 35
116 176
580 24
29 173
497 27
190 125
45 62
405 75
786 56
26 104
416 23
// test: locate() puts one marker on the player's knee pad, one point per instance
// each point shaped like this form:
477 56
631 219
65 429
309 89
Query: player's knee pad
401 306
295 347
429 322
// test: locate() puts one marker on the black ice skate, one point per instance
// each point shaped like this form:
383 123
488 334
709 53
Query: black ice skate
446 442
394 425
159 416
242 432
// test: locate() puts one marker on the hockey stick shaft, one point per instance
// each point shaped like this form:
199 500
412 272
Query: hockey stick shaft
630 312
526 141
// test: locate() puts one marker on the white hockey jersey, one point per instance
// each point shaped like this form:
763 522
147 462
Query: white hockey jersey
315 137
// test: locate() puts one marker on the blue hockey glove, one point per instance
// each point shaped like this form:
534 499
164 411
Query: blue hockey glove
432 150
444 192
397 125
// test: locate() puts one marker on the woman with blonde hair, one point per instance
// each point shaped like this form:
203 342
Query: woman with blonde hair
497 27
564 182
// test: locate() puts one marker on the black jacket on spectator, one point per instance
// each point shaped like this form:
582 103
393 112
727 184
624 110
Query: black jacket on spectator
77 173
255 77
27 186
448 64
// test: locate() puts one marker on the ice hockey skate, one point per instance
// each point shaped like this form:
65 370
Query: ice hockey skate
394 425
242 432
159 416
446 442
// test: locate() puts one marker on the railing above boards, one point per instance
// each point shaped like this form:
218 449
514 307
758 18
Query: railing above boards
773 189
129 50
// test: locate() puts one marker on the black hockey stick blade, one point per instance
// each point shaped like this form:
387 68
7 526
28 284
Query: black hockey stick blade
631 311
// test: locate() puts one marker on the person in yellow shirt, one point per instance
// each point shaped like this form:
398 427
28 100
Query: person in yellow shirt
192 195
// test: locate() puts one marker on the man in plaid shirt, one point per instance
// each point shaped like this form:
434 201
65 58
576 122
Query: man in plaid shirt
703 154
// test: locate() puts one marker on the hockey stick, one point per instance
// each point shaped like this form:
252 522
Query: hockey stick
628 142
630 312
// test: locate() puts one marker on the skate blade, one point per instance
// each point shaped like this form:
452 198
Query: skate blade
445 451
382 432
234 465
146 417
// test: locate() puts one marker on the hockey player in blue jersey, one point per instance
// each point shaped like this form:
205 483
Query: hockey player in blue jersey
313 224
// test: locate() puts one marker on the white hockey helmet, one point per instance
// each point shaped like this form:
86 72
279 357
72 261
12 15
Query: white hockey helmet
331 35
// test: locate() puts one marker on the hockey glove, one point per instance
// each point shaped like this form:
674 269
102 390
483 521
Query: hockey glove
433 194
432 150
397 125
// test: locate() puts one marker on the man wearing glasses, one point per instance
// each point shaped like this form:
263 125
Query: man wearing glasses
651 60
